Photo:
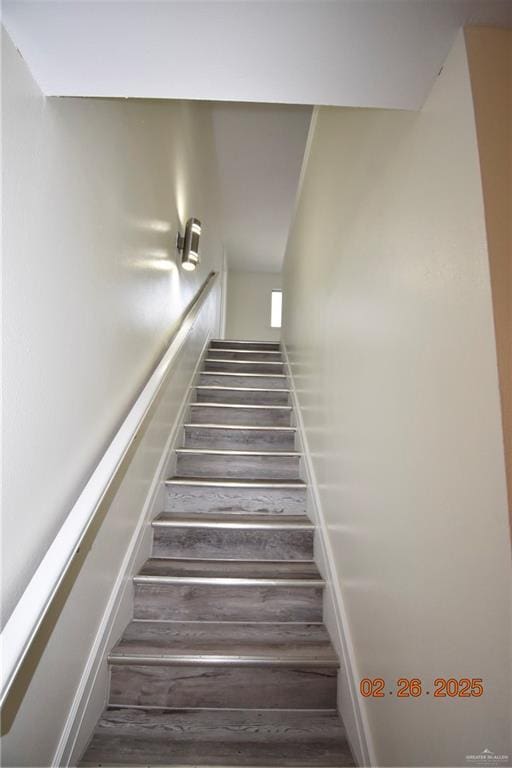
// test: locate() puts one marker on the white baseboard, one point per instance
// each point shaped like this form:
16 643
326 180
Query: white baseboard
354 716
118 611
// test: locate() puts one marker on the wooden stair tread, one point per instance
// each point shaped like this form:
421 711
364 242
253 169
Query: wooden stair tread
281 642
138 736
245 569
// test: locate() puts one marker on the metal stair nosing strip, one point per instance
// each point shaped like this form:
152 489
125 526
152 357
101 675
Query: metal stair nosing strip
245 341
269 427
241 350
242 362
241 373
235 483
227 452
170 659
230 581
218 388
252 406
201 520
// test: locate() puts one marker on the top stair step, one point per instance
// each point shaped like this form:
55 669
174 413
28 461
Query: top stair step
241 344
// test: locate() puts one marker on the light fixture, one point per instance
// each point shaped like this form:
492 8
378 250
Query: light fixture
188 244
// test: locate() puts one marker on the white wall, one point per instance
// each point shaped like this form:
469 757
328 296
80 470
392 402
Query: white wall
63 686
248 305
94 192
388 323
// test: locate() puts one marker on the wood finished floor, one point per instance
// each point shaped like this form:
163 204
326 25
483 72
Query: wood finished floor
227 661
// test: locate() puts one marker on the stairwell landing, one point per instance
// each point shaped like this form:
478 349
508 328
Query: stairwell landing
227 661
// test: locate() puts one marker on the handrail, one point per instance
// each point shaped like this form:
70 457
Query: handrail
24 622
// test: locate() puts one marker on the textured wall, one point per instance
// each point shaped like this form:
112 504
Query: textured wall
388 323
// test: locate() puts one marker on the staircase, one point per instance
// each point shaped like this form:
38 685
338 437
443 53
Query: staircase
227 661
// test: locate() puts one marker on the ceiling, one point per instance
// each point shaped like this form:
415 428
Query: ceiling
263 59
260 148
362 53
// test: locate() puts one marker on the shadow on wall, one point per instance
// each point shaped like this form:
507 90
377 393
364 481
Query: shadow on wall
249 301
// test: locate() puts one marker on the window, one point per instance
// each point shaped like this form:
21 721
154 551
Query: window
276 309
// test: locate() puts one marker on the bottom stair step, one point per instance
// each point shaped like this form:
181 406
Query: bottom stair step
136 736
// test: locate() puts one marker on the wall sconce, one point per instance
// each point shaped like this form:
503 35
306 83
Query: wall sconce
188 244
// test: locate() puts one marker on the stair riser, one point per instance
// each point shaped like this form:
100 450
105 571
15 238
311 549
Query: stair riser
304 640
246 354
219 602
255 467
196 498
267 417
262 345
232 543
219 364
247 397
239 439
182 686
262 382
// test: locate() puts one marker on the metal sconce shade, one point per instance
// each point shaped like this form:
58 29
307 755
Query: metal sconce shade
189 244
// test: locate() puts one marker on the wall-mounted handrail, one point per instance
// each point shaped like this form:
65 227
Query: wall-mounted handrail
21 628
